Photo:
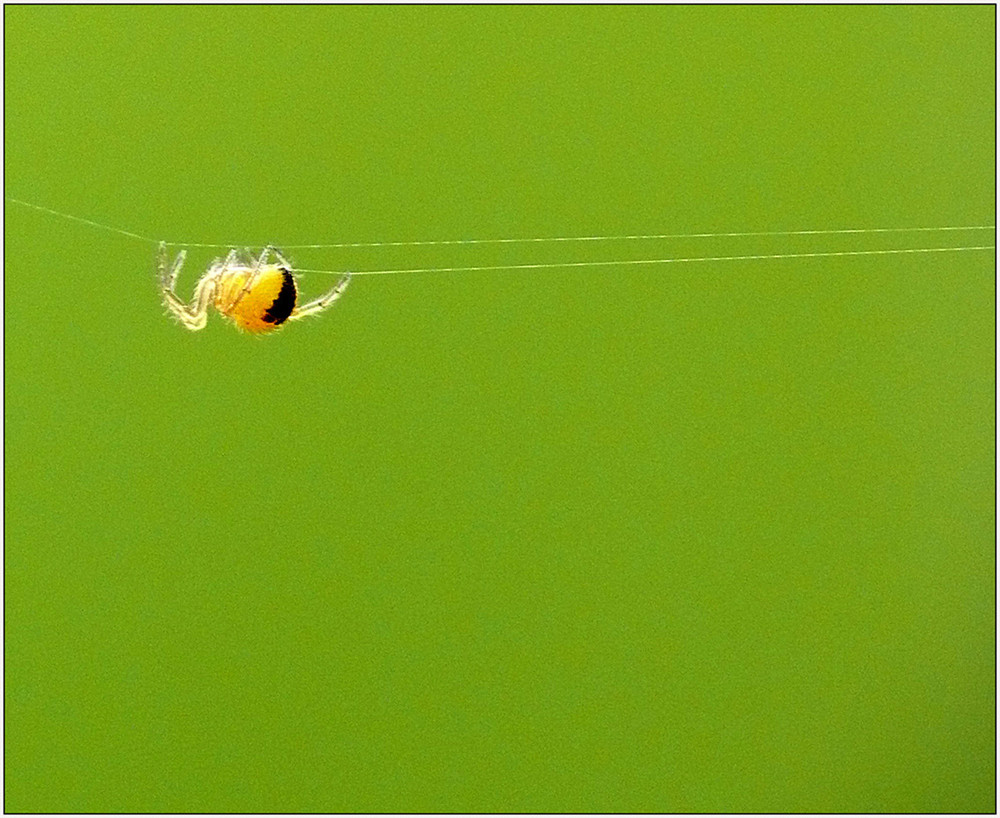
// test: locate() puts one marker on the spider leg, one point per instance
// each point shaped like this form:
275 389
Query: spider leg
265 254
252 275
193 316
322 302
227 264
176 269
269 251
169 278
282 261
161 261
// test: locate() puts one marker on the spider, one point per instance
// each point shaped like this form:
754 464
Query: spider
257 294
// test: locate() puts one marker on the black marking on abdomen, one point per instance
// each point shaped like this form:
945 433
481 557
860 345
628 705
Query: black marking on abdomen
283 305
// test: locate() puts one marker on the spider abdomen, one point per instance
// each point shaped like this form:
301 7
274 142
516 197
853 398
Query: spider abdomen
265 306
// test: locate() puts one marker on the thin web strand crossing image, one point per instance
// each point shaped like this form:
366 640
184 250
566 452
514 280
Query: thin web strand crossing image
855 231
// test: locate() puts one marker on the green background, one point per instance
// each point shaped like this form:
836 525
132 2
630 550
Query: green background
682 537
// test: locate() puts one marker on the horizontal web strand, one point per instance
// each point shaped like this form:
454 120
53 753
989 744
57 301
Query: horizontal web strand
841 231
80 219
652 261
636 237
